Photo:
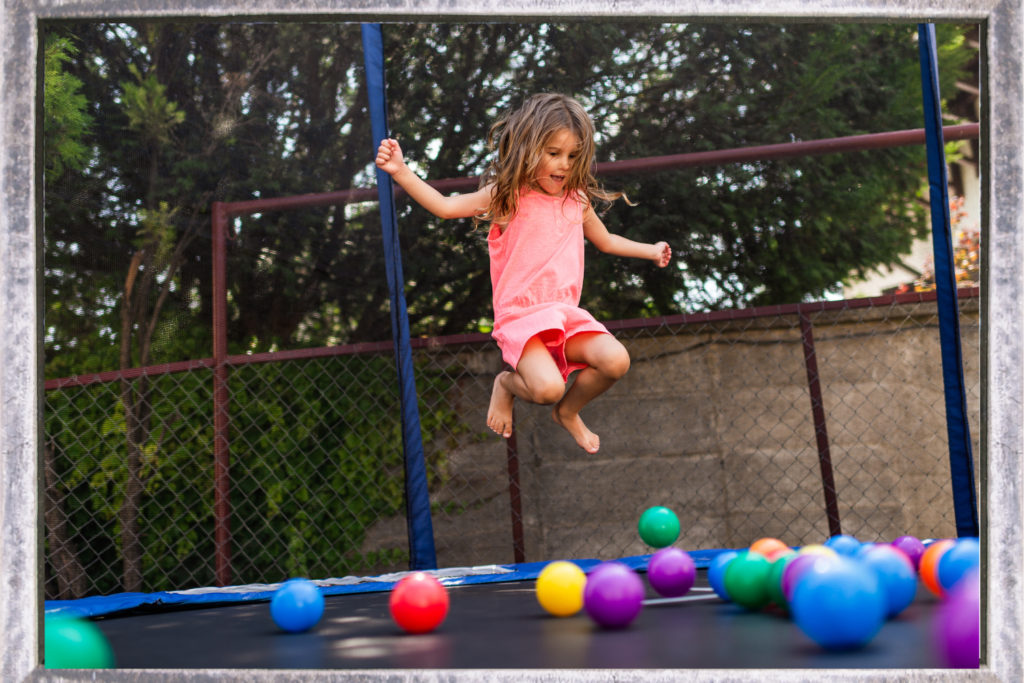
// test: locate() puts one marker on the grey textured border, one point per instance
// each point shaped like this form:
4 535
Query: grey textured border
1002 340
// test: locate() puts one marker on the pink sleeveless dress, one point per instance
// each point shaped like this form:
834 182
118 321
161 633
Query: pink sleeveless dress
537 277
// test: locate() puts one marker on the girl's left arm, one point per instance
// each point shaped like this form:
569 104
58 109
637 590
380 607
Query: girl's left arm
598 235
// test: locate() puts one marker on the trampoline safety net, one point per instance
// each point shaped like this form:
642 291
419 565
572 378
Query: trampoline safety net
759 402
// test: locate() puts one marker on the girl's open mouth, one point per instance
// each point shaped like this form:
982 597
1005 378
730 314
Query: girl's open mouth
558 178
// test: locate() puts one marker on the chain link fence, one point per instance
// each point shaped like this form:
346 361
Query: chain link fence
714 420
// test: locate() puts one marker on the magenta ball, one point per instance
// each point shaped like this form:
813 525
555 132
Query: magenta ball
671 572
614 595
911 547
958 625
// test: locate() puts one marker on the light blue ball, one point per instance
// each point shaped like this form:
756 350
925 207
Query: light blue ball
297 606
863 550
896 574
840 608
716 572
843 544
958 560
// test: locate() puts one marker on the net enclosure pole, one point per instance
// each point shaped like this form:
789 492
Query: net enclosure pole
221 398
828 484
422 554
961 462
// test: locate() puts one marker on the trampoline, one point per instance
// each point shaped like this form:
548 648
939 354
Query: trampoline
495 623
501 626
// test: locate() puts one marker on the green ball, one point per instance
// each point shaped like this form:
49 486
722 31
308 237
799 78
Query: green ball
746 581
76 644
659 527
775 579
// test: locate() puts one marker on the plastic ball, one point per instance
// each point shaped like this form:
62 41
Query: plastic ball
671 572
297 606
957 561
560 588
659 527
895 574
716 572
614 595
419 603
775 579
929 569
841 606
746 581
863 550
843 544
958 625
795 570
817 549
781 552
76 644
768 546
912 547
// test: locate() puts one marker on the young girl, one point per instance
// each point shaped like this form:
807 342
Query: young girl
537 195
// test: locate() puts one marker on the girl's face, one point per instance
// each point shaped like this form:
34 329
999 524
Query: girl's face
557 157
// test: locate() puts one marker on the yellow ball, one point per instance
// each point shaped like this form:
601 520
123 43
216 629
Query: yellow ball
560 588
817 550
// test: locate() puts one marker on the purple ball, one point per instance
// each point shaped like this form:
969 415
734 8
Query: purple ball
792 573
671 572
911 547
614 595
958 625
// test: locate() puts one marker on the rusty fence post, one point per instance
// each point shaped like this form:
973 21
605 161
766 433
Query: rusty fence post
221 400
820 430
518 548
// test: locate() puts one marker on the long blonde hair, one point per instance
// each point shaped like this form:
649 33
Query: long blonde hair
519 138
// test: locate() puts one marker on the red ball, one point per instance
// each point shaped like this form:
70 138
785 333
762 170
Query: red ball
419 603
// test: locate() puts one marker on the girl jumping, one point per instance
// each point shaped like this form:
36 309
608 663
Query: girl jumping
537 195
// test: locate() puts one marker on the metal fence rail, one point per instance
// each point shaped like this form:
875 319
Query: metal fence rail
738 420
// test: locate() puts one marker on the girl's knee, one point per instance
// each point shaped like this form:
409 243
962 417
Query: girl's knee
615 362
548 391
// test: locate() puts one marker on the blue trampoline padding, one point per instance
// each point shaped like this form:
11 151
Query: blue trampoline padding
422 554
102 605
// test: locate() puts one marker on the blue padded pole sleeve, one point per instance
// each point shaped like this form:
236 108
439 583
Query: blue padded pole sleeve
961 462
417 499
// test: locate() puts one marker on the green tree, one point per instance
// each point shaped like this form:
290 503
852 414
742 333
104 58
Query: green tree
65 121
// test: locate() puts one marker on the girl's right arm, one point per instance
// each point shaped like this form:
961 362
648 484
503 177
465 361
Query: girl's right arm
389 159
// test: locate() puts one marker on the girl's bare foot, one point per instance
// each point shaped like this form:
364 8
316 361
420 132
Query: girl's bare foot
571 422
499 413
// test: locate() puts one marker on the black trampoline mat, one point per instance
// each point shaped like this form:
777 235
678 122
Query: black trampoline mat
500 625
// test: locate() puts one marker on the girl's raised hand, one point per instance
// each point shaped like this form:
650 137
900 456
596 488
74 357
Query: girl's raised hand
663 254
389 157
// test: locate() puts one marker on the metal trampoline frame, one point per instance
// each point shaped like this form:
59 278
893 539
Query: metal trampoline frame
1002 361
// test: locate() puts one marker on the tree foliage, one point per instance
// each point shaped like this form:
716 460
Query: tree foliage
65 120
248 111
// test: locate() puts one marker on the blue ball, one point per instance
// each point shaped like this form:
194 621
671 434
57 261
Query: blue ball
297 606
958 560
841 607
843 544
896 574
863 550
716 572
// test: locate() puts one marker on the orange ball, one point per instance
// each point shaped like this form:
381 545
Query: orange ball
780 552
767 546
929 567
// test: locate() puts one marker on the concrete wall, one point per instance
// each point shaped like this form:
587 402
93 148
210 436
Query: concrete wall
713 421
